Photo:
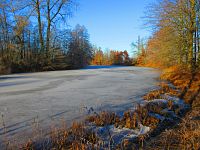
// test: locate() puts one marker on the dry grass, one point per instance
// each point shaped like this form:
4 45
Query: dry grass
187 82
164 89
184 136
155 94
130 119
74 138
80 137
103 118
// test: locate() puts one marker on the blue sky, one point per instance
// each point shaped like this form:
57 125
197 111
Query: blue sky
112 24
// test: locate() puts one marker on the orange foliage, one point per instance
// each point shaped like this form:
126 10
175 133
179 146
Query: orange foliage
111 58
160 50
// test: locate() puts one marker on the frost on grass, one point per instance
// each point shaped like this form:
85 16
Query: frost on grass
161 108
142 121
115 131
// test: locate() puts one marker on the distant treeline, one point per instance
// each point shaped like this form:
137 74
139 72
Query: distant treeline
110 57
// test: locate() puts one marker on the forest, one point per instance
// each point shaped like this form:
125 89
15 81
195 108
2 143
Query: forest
34 37
112 57
175 39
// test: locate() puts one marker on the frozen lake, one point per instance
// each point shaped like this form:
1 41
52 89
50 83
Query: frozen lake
66 94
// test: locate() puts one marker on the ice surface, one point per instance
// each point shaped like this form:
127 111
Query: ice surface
47 96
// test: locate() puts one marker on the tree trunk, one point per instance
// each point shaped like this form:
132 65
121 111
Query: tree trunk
40 25
48 28
192 19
